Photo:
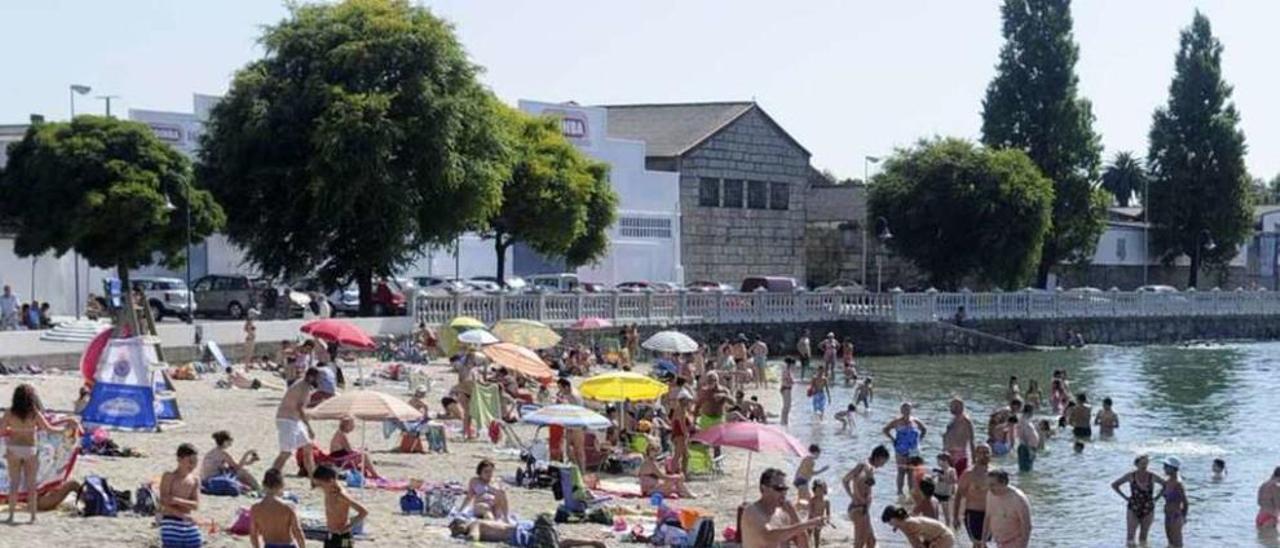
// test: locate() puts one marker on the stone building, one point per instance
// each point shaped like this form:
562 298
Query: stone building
743 185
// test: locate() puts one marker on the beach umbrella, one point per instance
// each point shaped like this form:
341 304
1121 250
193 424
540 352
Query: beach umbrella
339 331
477 337
527 333
567 415
591 322
671 342
365 405
519 359
449 333
622 386
754 437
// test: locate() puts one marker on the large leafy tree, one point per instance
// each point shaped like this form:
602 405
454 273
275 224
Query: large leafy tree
546 202
107 189
1124 178
1033 105
602 212
957 209
362 136
1199 184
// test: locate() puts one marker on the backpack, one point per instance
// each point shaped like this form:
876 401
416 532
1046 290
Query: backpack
243 523
544 533
703 534
220 486
145 505
411 503
97 498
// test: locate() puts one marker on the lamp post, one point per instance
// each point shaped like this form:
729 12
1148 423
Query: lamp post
1146 228
883 235
76 89
107 99
1204 241
866 183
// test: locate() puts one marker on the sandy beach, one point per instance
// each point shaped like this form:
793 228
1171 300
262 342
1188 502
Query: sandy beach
248 415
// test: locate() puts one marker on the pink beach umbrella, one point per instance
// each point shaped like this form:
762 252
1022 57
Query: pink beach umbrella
754 437
591 322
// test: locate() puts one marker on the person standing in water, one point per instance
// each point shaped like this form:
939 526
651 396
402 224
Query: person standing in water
805 350
864 394
1269 502
1175 502
971 495
786 382
760 361
1008 513
1107 420
818 393
1078 417
958 440
805 472
919 530
857 485
1028 440
1140 501
905 432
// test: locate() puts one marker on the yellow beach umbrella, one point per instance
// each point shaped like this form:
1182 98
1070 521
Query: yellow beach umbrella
623 385
527 333
449 333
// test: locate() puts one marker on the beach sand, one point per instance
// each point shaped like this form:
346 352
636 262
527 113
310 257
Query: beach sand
249 416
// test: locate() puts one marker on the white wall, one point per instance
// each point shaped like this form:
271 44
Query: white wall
54 278
1120 240
477 258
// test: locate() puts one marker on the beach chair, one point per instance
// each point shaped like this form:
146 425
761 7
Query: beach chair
702 462
571 490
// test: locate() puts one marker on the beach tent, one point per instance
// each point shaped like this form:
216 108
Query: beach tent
166 397
124 389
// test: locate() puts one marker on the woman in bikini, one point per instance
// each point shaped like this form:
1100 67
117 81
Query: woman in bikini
920 531
486 500
857 485
681 428
1141 499
1175 502
19 427
654 480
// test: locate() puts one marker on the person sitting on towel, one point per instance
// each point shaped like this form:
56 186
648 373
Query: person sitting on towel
219 462
341 451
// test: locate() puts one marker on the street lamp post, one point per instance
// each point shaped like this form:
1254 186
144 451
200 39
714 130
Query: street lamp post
1204 241
76 89
1146 230
866 183
883 235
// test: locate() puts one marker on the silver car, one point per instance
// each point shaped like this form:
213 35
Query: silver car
167 297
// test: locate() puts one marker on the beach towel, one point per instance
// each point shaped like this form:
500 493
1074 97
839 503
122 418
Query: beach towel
350 461
56 454
485 406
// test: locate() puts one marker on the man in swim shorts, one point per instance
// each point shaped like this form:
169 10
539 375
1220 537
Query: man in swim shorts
293 431
1078 417
712 399
1269 502
958 440
971 494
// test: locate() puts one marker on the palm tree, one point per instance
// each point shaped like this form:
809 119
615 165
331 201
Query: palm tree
1124 177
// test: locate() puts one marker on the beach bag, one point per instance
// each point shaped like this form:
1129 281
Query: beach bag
440 502
145 505
242 524
96 498
411 503
221 486
544 533
704 534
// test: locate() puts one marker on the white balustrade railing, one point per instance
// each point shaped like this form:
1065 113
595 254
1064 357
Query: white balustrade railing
685 307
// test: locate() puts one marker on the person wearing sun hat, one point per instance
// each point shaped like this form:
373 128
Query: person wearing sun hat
1175 501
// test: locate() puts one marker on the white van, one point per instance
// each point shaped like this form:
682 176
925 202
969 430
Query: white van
553 283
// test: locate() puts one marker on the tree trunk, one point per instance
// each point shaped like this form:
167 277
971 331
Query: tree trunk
1042 272
500 248
129 315
364 284
1193 277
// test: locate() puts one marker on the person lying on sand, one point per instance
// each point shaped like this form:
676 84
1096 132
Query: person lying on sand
513 534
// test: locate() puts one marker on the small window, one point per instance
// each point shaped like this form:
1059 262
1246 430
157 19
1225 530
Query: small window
733 193
757 194
709 192
1121 251
779 196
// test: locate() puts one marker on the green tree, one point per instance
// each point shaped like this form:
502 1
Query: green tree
1199 184
602 212
943 200
361 137
1124 178
1032 105
107 189
1273 190
546 200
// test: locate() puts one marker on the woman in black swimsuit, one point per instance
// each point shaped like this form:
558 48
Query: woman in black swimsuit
1141 498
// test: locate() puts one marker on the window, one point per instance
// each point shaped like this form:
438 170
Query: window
733 193
709 192
757 194
1121 252
644 227
779 196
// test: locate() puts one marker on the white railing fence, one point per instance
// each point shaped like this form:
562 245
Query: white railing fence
684 307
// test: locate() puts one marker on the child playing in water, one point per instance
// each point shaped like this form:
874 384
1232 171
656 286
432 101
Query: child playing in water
863 394
945 484
924 505
1078 447
1107 420
1219 469
1002 439
846 417
819 506
1045 430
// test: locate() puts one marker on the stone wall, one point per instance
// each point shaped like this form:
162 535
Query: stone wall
835 220
1155 330
726 244
1128 278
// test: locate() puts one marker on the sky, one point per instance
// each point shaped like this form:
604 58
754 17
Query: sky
848 79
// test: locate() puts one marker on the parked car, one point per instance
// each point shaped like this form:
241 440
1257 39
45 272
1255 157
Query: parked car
167 297
770 284
554 283
1157 289
230 295
388 298
486 286
667 287
514 284
591 287
708 287
634 287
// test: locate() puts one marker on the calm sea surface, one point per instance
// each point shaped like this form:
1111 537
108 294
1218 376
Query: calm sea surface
1196 403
